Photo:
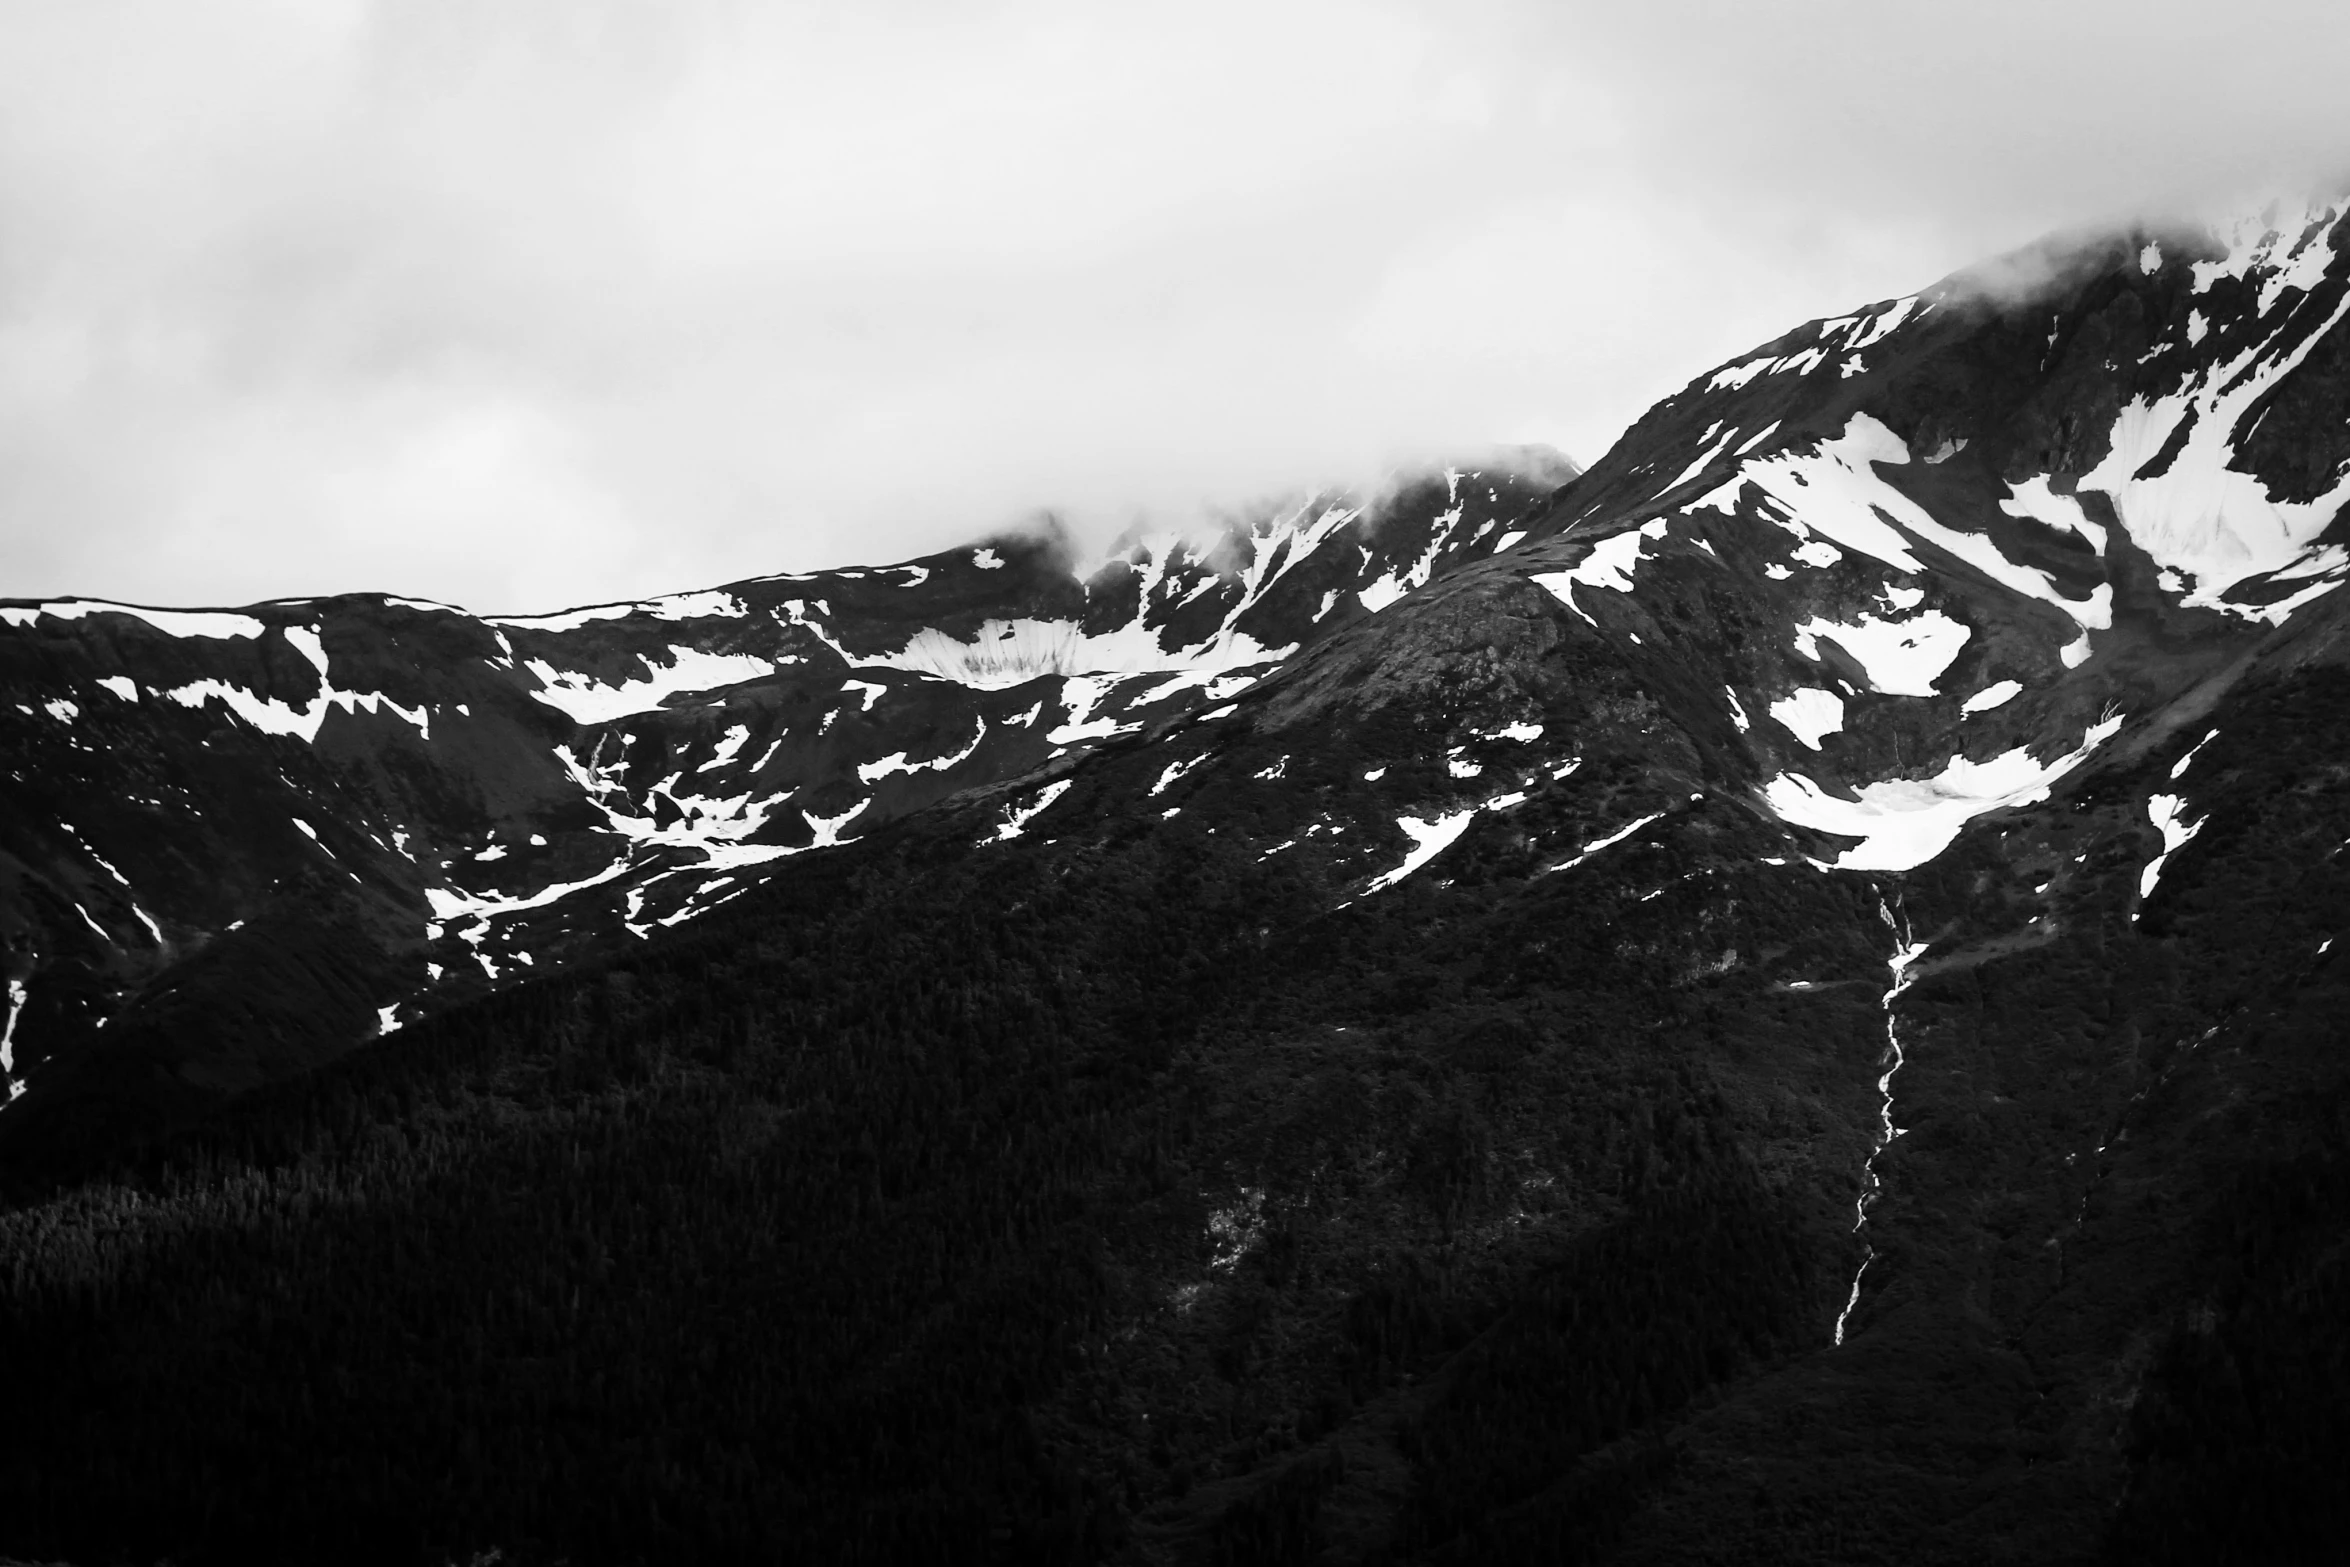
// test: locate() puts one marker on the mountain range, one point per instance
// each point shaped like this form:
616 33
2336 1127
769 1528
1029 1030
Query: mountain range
1770 1000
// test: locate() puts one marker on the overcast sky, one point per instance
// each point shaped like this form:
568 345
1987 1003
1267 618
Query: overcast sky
524 304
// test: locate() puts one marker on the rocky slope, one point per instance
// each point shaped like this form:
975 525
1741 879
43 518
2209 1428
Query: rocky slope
1778 1004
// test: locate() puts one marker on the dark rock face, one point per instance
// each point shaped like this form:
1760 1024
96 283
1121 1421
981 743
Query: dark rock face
1776 1003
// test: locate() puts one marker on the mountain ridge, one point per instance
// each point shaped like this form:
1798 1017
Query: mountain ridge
947 638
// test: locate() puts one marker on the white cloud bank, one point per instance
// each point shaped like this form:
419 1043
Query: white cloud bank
526 305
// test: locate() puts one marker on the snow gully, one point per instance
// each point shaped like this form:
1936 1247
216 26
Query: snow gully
1906 952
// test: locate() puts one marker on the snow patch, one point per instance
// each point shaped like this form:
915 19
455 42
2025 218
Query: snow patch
1884 324
1998 694
1902 658
1019 817
2033 499
1904 822
696 606
1006 653
262 713
221 625
705 605
585 699
1731 377
828 828
1836 491
1082 695
453 906
1607 564
1176 770
737 735
1396 584
2168 812
1703 458
565 620
1429 839
895 762
1810 714
1598 845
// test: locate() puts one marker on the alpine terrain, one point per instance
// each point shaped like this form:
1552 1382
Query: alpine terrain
1773 1000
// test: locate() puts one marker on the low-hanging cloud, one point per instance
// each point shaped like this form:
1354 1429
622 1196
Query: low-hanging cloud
532 304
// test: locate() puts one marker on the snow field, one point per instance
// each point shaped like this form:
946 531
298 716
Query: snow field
1902 658
2168 812
1904 822
2201 519
586 700
1997 694
1810 714
1608 564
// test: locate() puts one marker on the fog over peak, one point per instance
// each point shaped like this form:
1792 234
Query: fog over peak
541 304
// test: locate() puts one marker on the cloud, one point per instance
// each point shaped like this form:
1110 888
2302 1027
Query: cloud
540 303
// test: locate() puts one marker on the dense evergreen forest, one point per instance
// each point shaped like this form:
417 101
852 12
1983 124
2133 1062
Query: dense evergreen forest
1122 1198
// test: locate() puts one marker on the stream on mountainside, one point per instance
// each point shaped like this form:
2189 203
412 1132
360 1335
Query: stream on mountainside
1905 953
14 1084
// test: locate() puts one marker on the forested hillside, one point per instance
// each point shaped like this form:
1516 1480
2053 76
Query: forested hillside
1037 1202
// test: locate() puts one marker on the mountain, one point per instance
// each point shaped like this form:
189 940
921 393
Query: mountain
1775 1003
234 843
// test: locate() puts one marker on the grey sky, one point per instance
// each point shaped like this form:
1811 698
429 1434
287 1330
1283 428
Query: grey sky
528 304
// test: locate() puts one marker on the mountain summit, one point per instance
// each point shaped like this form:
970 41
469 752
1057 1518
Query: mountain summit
1773 1000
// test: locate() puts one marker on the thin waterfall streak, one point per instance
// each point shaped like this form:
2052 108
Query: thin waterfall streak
16 995
1852 1299
1906 952
11 1086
